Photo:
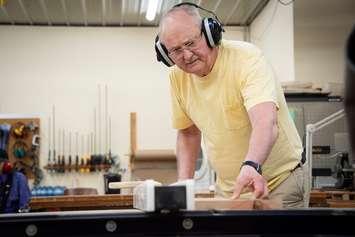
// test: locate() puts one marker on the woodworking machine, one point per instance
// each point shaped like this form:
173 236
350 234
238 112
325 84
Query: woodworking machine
152 196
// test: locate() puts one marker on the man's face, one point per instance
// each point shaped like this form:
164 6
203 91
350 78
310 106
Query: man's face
186 44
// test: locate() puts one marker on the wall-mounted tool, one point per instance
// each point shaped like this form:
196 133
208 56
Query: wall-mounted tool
62 165
82 159
32 127
19 130
20 149
35 140
58 160
54 150
77 169
109 154
49 161
69 155
93 160
99 152
88 156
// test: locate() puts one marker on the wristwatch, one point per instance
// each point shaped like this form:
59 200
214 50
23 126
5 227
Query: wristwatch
253 164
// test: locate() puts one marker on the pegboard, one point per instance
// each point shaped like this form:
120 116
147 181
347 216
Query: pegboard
29 142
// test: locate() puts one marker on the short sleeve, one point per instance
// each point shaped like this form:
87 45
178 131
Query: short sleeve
258 83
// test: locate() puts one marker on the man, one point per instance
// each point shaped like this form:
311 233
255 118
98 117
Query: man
15 194
226 92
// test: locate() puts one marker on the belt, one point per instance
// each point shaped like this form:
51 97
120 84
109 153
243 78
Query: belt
298 166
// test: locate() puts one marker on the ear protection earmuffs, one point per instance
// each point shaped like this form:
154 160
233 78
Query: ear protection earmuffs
211 28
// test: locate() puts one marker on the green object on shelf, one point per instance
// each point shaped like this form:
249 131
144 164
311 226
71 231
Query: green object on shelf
293 114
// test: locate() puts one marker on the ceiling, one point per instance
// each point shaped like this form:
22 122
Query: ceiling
116 12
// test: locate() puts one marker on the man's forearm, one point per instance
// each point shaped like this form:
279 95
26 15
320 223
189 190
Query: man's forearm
187 150
261 142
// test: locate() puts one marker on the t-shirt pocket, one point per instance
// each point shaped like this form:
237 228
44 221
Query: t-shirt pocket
235 116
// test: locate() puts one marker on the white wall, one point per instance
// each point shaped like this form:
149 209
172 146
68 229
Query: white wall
272 31
63 66
321 28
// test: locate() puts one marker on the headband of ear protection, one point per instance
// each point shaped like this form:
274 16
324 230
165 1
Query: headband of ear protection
211 28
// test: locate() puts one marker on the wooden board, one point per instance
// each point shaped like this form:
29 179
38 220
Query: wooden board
332 198
133 132
238 204
120 201
26 162
164 176
81 202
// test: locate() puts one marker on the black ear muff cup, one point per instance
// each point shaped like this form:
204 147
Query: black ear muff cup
212 31
162 53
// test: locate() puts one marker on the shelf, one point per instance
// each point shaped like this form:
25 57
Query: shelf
77 168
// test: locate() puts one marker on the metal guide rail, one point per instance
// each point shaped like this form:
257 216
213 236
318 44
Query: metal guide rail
303 222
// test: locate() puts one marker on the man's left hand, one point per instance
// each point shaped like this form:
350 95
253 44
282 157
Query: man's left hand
249 180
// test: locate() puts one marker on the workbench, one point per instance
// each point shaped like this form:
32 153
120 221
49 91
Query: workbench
87 202
50 216
318 198
131 222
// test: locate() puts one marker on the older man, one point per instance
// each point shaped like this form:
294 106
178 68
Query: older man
226 91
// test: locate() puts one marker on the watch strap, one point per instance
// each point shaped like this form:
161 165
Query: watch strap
253 164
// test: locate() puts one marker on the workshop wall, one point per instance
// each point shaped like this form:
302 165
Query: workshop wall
63 66
272 31
321 29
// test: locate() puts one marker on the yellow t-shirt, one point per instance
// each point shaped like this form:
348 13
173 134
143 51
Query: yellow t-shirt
218 103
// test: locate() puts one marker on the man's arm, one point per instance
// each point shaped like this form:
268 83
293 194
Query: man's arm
188 146
263 118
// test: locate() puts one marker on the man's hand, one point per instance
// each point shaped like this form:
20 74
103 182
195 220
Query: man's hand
250 180
263 118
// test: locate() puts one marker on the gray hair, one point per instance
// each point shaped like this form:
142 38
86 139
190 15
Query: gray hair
188 9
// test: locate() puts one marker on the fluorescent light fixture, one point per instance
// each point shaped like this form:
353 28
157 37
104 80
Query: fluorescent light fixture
152 10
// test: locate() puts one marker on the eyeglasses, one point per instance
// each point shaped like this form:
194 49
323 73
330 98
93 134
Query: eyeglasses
192 44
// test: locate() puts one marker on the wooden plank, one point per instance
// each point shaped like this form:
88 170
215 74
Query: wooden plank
164 176
82 202
133 132
120 201
318 199
238 204
332 198
341 203
155 155
205 194
124 184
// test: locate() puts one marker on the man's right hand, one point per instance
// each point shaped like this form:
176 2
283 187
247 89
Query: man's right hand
249 180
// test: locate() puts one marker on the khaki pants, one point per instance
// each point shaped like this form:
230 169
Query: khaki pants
294 191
